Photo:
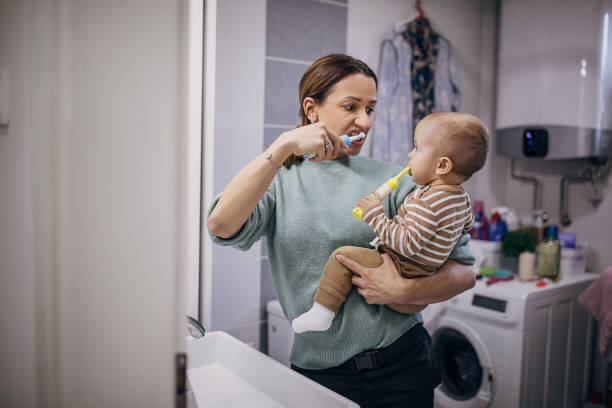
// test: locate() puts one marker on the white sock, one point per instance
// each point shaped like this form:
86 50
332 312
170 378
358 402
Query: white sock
318 318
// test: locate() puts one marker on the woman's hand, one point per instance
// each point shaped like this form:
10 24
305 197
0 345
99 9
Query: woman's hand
384 285
315 138
381 285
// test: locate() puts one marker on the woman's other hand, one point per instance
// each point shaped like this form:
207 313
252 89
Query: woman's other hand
384 285
381 285
315 138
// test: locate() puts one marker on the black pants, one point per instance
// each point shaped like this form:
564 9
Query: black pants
403 376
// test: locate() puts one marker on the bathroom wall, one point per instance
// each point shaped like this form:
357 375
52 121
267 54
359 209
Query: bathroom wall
231 300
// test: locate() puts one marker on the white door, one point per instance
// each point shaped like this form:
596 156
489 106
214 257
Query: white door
98 105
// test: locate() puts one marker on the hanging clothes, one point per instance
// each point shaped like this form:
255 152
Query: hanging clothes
424 43
394 124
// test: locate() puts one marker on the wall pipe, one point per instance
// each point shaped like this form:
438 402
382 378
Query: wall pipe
566 220
536 184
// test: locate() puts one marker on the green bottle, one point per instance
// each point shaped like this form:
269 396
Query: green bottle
549 254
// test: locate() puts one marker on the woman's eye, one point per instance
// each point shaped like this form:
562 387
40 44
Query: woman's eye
349 108
370 111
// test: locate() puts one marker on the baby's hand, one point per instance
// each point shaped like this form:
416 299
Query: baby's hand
369 202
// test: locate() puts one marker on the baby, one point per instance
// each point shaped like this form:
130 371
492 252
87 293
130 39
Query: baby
448 148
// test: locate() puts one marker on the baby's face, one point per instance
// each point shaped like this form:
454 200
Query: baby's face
424 155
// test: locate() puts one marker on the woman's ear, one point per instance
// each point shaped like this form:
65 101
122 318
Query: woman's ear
445 166
310 109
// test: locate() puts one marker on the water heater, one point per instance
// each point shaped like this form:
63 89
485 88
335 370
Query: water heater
555 79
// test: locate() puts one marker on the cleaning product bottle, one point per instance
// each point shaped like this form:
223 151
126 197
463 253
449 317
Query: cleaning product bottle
481 226
493 223
498 227
512 220
540 218
549 254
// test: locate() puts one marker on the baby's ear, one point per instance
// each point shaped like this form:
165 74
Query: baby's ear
445 166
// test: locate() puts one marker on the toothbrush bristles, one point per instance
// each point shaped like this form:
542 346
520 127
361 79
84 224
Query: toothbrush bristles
357 137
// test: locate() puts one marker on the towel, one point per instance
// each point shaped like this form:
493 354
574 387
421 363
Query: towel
597 301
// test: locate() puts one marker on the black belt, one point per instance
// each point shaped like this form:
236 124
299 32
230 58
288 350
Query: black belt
364 361
375 358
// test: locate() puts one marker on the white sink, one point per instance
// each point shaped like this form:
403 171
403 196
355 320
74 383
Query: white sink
225 372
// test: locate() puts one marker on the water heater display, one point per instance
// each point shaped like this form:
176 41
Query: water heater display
535 142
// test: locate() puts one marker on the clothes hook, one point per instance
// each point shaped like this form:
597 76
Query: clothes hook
417 5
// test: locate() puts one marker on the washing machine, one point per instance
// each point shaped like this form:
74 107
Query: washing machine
513 344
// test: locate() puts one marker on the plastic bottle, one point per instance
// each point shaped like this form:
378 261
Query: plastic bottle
549 254
540 218
526 265
512 220
481 225
498 227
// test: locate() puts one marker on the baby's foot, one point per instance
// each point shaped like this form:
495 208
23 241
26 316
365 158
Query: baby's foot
318 318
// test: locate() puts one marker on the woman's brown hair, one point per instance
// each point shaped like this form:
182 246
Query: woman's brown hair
319 79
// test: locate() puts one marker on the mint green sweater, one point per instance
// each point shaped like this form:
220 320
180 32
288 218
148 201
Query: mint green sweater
305 215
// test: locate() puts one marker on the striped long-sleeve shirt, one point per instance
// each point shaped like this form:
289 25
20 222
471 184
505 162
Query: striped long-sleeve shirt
427 225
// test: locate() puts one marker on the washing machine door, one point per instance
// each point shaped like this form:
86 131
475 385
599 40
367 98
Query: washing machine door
465 366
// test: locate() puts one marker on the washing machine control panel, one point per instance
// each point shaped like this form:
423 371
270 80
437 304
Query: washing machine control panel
489 306
489 303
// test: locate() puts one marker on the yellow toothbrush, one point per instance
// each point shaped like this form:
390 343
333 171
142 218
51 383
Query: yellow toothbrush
383 191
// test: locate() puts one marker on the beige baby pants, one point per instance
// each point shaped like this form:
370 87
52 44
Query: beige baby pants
336 282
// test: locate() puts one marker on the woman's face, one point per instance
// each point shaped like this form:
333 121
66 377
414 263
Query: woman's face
348 109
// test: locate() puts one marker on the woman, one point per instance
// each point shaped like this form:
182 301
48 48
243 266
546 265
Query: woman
377 357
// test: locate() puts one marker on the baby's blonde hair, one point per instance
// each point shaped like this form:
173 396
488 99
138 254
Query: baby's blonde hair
462 138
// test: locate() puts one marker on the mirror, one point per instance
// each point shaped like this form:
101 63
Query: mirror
256 52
